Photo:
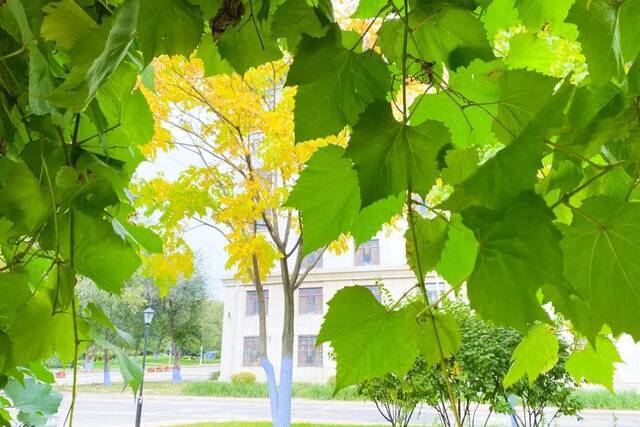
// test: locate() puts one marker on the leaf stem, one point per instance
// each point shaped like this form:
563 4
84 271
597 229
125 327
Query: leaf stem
565 197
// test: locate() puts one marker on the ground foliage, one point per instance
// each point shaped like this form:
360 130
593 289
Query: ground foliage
522 114
476 371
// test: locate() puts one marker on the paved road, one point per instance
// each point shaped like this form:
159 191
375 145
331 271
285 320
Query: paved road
117 409
189 373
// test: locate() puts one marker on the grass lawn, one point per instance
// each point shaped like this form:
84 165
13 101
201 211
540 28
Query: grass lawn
268 424
591 399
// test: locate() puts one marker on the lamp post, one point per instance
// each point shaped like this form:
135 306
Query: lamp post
148 317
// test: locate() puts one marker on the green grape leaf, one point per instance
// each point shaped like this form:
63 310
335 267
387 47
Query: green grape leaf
64 23
519 105
424 247
169 27
41 372
594 365
536 354
211 59
461 163
63 286
136 234
209 7
41 83
549 14
518 253
513 169
371 8
14 288
325 214
448 34
34 400
598 27
95 314
391 158
589 103
633 78
530 52
479 82
127 119
250 45
131 372
361 332
459 254
335 85
369 220
437 336
100 254
37 334
294 18
601 249
499 15
96 56
23 201
628 28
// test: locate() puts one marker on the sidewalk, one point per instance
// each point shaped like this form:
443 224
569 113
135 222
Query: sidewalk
117 409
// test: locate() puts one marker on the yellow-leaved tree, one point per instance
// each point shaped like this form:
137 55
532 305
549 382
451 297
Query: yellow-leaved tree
244 161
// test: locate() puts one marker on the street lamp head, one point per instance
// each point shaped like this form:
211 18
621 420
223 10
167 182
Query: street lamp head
148 315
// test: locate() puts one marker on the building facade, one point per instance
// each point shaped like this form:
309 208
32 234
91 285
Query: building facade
378 261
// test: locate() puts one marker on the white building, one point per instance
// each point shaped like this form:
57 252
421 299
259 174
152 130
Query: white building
381 260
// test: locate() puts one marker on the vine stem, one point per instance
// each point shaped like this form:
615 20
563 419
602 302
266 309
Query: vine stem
74 312
421 284
429 310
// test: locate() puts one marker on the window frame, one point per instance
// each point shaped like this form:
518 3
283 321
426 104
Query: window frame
247 359
309 351
358 260
255 298
303 295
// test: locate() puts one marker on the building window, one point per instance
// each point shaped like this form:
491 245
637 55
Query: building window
433 295
308 353
251 308
368 253
250 354
310 259
375 290
261 226
310 301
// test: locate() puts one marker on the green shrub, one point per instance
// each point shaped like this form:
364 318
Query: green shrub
243 378
300 390
214 376
332 381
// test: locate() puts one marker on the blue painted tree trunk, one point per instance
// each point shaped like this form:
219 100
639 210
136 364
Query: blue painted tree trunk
106 370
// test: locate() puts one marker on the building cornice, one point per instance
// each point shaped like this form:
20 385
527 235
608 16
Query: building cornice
351 274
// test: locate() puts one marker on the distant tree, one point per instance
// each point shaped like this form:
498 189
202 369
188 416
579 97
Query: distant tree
181 313
123 310
212 325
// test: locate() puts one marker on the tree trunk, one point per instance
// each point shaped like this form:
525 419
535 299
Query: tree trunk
176 375
106 370
177 353
89 356
266 364
286 358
